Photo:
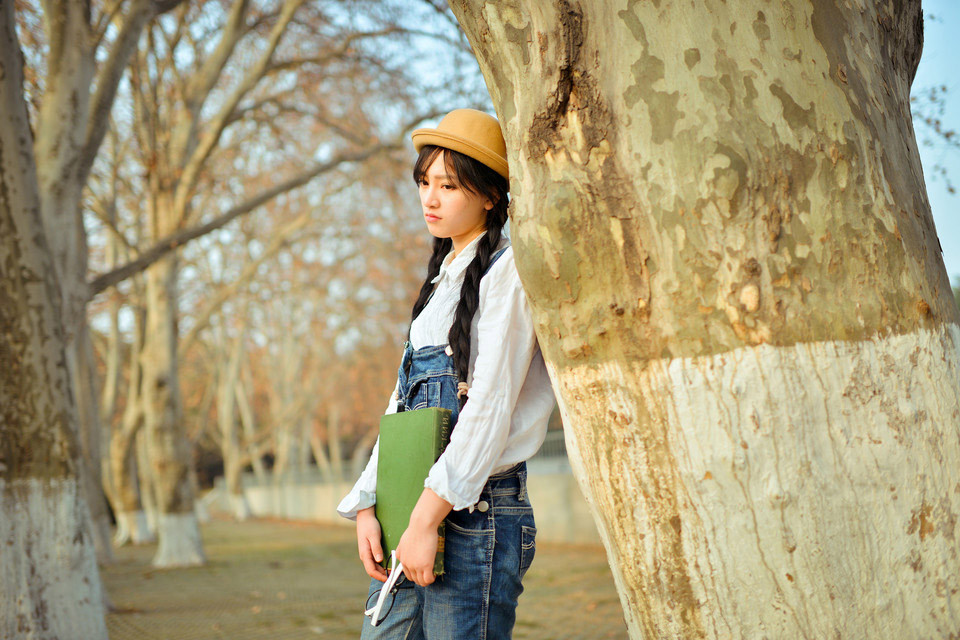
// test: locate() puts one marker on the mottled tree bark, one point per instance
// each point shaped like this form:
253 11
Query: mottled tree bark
722 227
49 584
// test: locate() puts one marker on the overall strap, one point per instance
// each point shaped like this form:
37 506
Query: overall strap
494 259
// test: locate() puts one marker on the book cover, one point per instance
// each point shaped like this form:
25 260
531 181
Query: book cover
410 443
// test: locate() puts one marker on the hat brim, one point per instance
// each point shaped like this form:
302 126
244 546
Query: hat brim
423 137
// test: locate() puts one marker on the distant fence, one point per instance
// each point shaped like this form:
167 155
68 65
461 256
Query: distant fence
561 512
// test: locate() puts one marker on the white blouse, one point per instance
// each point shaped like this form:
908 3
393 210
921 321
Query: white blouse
510 398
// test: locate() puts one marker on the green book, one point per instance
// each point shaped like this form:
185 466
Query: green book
410 442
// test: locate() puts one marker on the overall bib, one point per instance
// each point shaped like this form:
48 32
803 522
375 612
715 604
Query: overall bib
488 548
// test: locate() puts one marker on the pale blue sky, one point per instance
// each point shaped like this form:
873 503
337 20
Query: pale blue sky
938 66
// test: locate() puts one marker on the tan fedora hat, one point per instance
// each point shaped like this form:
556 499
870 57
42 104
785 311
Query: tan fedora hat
472 133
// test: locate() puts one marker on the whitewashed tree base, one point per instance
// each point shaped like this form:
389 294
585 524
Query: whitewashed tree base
796 481
46 563
179 539
132 529
201 511
240 507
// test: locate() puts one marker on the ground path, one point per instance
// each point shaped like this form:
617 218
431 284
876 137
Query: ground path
283 580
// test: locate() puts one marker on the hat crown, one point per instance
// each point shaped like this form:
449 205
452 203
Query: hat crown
475 126
471 132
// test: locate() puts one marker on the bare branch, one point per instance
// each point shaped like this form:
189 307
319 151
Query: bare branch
226 292
208 142
180 238
108 78
338 52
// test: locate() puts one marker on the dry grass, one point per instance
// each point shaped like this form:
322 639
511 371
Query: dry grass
273 579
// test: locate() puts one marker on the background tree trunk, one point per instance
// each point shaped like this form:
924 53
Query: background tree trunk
84 374
722 227
178 532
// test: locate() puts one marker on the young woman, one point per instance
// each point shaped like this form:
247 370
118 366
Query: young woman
472 337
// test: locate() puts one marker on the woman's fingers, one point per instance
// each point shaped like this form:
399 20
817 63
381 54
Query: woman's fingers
368 544
417 551
372 567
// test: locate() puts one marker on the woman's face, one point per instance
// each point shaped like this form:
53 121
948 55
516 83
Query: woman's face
449 209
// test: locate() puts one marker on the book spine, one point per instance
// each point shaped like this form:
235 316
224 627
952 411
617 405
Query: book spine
443 439
443 432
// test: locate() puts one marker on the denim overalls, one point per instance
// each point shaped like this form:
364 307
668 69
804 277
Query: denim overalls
487 549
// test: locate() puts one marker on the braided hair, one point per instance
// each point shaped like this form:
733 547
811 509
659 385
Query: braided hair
479 179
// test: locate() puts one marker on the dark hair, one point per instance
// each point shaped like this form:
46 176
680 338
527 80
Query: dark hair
479 179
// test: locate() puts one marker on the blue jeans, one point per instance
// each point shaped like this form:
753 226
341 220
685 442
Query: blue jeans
485 558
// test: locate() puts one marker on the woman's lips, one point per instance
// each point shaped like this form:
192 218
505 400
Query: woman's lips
430 217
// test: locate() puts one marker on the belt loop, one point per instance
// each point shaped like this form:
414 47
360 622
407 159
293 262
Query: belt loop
522 476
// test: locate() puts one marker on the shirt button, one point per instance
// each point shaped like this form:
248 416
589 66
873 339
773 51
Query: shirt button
482 506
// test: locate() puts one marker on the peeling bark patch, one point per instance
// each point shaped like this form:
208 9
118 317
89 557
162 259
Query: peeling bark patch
521 38
661 105
921 522
546 121
760 27
691 57
795 115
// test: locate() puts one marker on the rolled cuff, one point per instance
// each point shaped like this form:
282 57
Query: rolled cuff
439 482
355 501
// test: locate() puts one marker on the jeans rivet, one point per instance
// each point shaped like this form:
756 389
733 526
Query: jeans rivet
482 506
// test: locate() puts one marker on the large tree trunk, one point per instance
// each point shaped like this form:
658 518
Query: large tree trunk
721 223
49 583
178 533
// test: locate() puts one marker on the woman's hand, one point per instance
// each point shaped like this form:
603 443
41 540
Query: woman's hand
368 542
417 551
417 548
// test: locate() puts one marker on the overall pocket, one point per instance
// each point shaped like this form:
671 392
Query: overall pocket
427 395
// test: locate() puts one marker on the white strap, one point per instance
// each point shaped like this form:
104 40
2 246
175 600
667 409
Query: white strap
396 569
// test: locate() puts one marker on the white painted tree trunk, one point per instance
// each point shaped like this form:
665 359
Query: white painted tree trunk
132 528
721 225
50 565
178 534
179 542
790 466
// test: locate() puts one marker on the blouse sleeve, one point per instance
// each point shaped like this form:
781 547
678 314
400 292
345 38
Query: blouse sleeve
364 492
506 343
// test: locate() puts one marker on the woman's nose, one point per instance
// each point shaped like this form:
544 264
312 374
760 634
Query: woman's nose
430 198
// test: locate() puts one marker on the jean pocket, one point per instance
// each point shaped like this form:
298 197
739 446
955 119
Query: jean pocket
528 547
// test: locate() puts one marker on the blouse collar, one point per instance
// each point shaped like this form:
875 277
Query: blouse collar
454 267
